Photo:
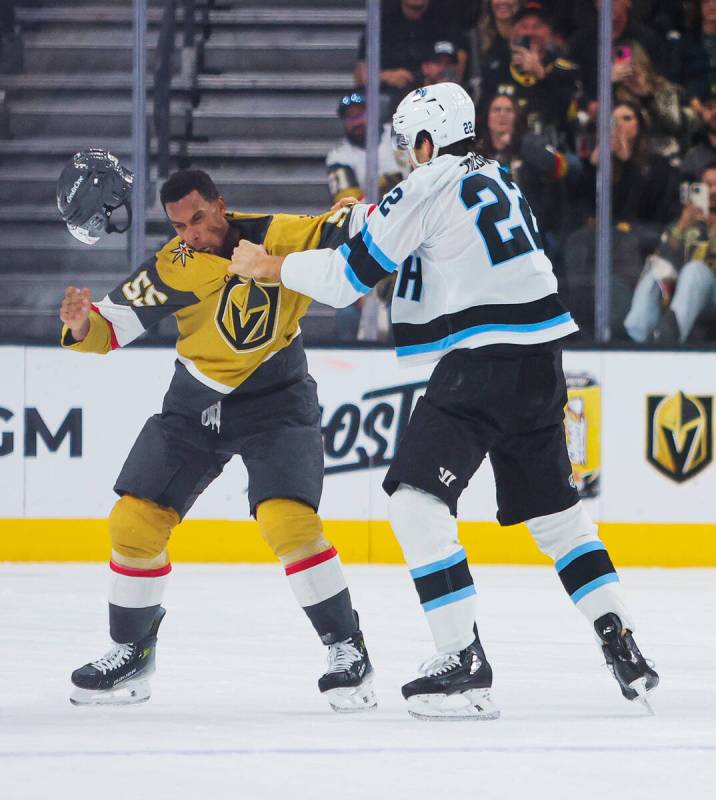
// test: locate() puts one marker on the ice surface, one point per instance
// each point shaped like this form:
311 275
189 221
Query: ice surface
235 711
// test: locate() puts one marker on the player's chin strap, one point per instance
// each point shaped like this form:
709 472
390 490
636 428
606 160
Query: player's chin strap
110 227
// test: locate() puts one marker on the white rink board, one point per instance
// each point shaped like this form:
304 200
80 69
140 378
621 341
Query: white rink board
116 393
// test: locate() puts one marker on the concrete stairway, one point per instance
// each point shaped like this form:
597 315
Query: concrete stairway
265 119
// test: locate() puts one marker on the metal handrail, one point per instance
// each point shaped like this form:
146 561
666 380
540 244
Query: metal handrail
163 85
192 43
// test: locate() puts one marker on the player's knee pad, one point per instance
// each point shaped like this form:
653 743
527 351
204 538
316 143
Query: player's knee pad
558 534
293 530
139 530
423 525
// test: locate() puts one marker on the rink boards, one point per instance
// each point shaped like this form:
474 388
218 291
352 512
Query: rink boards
639 427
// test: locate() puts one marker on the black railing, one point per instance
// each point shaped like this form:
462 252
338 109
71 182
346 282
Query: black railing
163 71
191 64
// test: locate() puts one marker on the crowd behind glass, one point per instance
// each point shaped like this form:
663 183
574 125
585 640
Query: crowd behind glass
531 68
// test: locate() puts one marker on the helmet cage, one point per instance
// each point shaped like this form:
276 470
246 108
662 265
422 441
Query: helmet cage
98 186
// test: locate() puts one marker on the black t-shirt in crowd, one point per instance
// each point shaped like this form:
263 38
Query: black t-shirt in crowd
405 43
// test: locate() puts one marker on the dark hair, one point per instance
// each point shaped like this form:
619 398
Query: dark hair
642 145
185 181
461 148
707 166
485 146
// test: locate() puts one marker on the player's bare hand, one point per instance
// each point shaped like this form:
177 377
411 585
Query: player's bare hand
343 202
75 311
251 260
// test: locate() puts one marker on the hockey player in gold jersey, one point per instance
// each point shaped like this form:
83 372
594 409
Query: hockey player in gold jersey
240 387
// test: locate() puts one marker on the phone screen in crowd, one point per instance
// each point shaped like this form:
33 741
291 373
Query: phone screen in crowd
697 194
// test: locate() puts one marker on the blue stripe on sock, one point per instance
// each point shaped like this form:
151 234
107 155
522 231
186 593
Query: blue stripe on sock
445 563
611 577
446 599
589 547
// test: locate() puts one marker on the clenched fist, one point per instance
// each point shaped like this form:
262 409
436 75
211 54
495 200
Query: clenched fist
251 260
75 310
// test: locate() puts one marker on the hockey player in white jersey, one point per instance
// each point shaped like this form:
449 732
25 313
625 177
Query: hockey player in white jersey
476 294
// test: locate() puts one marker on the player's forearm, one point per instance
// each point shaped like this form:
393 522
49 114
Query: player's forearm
320 274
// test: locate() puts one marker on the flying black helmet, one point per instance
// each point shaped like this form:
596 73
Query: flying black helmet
90 188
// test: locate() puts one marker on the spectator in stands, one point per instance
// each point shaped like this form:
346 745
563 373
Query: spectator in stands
545 175
407 31
671 121
678 285
644 195
584 44
346 167
644 184
346 162
495 32
440 64
545 84
703 151
696 60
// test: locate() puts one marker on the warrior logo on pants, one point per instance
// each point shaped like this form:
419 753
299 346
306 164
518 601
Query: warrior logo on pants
247 314
679 434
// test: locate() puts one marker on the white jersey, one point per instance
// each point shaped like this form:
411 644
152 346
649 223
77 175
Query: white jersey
346 164
471 268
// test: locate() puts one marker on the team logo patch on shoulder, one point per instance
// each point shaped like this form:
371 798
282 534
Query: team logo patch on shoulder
247 314
679 434
182 251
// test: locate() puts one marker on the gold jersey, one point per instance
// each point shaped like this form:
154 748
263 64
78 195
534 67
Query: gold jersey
227 327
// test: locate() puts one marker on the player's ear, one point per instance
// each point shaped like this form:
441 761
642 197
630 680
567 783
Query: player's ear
221 205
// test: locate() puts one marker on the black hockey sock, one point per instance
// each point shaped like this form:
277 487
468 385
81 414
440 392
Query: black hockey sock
130 624
333 619
584 569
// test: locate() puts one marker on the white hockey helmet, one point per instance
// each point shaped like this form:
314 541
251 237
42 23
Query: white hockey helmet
443 110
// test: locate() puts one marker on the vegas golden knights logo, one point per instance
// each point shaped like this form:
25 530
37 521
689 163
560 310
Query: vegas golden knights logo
582 426
247 314
679 434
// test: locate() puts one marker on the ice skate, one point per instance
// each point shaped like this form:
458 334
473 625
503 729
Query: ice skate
120 676
348 681
634 675
454 686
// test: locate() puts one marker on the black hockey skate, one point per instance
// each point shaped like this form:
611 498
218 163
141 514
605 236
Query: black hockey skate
631 670
121 676
454 686
348 681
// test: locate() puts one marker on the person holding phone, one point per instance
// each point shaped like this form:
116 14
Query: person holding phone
671 120
678 284
544 83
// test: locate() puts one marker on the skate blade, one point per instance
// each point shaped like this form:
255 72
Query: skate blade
639 686
125 694
474 704
349 700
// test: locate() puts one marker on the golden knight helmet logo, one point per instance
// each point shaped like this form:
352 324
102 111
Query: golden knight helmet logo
679 434
247 314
